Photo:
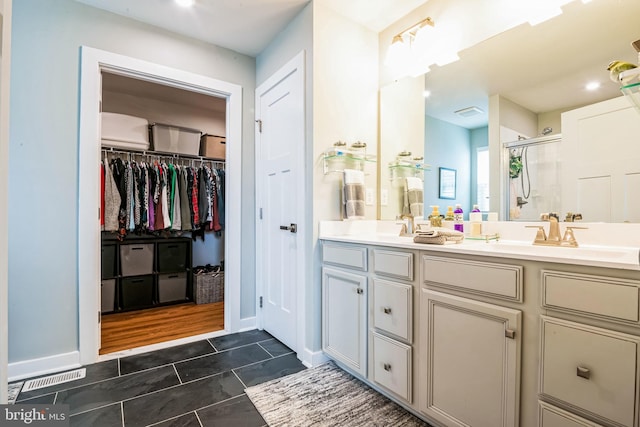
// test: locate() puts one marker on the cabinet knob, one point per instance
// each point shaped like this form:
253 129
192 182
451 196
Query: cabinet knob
387 310
510 333
387 367
583 372
359 291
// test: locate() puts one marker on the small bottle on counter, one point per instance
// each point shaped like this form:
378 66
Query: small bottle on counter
475 220
458 218
448 218
435 219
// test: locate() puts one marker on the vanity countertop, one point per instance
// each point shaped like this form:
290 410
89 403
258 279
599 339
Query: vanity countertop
383 233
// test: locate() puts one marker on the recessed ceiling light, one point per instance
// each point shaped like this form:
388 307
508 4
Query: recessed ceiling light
185 3
426 93
592 85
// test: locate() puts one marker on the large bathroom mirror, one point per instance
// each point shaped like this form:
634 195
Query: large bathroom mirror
541 70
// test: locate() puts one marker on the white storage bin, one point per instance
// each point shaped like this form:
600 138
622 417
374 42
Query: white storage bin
175 139
123 131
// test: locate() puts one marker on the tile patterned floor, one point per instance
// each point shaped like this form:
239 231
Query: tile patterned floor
192 385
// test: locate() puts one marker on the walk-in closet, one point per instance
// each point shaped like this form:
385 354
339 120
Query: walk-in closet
162 213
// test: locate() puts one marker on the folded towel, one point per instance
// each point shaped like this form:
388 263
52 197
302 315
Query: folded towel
354 209
439 236
352 176
353 192
414 183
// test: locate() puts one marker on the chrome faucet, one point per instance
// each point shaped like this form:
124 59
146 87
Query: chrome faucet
554 239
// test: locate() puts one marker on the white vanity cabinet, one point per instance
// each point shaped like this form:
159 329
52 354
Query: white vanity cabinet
470 349
590 371
344 305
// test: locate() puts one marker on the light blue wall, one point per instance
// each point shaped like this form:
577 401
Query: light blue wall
479 138
448 146
43 164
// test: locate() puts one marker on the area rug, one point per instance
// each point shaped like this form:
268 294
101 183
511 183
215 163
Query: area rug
326 396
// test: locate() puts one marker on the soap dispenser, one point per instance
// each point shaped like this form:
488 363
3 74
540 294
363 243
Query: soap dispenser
448 218
458 222
435 219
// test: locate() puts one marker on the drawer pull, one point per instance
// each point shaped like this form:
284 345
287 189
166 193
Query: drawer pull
583 372
359 291
510 333
387 310
137 248
387 367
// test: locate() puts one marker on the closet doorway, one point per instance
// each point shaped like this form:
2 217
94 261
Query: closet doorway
139 88
151 295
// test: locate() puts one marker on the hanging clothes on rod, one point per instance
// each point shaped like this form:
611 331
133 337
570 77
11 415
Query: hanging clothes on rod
151 193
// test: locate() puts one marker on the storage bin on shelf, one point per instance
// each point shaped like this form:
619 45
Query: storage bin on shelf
175 139
208 285
124 131
213 146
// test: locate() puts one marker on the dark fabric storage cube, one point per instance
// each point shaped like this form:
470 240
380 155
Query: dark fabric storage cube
108 262
172 287
108 295
137 292
173 256
136 259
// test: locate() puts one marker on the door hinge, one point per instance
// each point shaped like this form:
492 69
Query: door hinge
98 214
260 213
259 122
260 302
99 317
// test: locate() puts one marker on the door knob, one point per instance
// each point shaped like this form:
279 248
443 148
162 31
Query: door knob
292 228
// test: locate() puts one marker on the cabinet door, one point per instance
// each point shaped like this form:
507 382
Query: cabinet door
344 321
470 375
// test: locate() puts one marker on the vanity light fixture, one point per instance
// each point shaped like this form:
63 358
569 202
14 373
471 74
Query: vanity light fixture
401 55
185 3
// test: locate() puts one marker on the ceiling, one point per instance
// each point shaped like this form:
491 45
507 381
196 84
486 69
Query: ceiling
248 26
543 68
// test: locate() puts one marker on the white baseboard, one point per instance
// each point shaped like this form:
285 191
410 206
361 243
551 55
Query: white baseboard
246 324
313 358
45 365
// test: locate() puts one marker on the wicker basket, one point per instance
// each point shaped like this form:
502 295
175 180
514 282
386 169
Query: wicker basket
209 287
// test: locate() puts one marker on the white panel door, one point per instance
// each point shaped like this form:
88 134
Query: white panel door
601 161
279 144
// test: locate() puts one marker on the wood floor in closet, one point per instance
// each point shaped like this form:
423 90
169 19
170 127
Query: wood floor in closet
123 331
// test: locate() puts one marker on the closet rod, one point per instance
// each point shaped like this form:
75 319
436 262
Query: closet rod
172 156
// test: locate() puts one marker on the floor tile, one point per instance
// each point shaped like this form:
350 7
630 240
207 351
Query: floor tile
187 420
96 372
236 412
181 399
108 416
241 338
38 400
219 362
275 347
165 356
103 393
269 369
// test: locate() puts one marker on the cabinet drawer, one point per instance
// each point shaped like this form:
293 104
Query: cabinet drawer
392 308
172 287
394 264
590 368
485 278
345 256
615 299
550 416
392 365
